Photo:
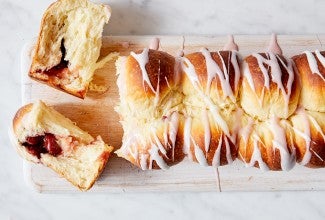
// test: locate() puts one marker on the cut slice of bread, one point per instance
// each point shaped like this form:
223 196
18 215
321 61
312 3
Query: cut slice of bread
43 135
68 45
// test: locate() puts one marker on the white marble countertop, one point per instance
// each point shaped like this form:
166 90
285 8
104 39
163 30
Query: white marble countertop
19 22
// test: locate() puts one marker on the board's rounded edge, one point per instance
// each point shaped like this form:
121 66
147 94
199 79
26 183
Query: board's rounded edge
27 170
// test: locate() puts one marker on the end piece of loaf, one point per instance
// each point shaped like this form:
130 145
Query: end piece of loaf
43 135
69 45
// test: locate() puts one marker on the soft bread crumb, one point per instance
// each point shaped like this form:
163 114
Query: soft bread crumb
80 162
97 88
77 25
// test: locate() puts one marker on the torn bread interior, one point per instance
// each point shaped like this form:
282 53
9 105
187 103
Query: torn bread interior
68 45
43 135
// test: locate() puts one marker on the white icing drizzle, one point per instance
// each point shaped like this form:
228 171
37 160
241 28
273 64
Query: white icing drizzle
156 100
155 156
189 69
157 149
235 64
187 137
213 70
127 145
313 62
180 53
216 156
134 154
207 131
167 83
216 115
317 126
257 157
231 45
143 161
246 130
199 154
192 75
247 74
158 143
289 69
142 60
173 129
238 125
305 135
279 142
274 46
177 70
165 134
228 151
261 60
276 74
154 44
316 154
320 57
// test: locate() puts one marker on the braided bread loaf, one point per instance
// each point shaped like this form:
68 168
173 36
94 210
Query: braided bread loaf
267 110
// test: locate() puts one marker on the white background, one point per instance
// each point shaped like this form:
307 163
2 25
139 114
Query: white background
19 22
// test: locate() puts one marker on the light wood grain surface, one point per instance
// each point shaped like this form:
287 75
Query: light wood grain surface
96 114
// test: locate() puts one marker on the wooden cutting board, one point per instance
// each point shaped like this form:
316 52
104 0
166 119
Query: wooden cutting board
96 114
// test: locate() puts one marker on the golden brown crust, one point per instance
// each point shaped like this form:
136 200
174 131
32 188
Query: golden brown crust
64 58
217 139
261 135
211 90
213 149
257 74
199 62
16 122
62 163
269 126
148 100
102 160
262 102
313 89
20 114
53 80
140 150
172 157
309 125
215 91
37 47
56 82
160 70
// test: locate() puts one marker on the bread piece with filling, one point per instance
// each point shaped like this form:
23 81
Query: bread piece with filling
68 45
43 135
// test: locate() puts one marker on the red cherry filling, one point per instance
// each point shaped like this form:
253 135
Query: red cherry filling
56 70
34 140
51 146
42 144
36 150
